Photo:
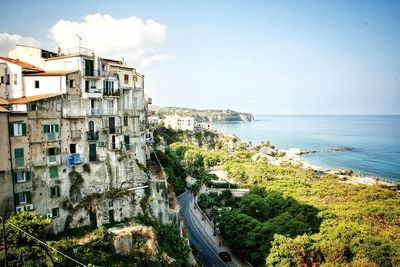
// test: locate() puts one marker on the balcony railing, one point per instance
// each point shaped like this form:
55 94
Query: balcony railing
19 162
108 92
92 136
109 111
94 111
53 159
76 134
52 136
115 130
70 112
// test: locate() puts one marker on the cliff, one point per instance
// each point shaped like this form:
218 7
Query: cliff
209 115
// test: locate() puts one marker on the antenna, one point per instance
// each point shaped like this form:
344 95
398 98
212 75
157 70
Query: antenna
80 39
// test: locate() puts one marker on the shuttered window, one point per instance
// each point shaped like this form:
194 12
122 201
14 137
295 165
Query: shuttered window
53 172
17 129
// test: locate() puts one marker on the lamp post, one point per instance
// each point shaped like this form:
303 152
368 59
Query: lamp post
5 242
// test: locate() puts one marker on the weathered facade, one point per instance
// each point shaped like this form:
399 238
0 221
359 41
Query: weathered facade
80 140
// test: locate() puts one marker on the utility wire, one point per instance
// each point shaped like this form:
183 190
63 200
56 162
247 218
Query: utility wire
43 243
166 134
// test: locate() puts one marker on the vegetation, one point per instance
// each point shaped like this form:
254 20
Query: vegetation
294 216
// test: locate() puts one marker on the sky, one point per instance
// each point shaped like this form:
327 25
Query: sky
264 57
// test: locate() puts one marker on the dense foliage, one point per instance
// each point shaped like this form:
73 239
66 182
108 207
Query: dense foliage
298 216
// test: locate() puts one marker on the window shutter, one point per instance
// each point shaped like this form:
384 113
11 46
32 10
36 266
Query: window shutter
19 152
28 197
11 129
28 176
24 129
15 177
57 151
56 128
45 128
16 199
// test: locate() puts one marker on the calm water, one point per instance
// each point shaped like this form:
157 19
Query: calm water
375 140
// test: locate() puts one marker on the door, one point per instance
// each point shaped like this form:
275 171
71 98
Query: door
111 216
93 218
111 125
92 152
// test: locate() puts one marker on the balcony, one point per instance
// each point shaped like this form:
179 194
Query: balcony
108 92
52 136
92 92
109 111
70 113
92 136
73 159
115 130
76 135
94 111
53 159
19 162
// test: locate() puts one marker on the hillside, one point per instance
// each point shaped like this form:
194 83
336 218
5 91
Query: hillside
205 115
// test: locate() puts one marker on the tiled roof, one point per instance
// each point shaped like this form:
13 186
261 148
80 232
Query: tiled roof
3 110
3 101
24 100
22 64
52 73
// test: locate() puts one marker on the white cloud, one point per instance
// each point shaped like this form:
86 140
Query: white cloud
131 38
8 42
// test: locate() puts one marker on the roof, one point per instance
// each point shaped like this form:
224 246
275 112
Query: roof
3 101
24 100
22 64
52 73
3 110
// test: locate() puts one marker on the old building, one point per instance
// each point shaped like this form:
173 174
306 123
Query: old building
77 139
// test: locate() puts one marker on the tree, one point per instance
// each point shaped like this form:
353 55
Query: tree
24 250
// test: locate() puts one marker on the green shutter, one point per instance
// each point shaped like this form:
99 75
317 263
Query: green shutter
24 129
19 152
58 191
16 199
15 177
57 151
28 176
28 197
45 128
57 128
11 129
53 172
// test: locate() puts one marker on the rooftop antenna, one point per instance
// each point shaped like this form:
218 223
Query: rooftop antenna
80 39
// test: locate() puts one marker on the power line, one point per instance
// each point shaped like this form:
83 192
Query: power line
43 243
166 134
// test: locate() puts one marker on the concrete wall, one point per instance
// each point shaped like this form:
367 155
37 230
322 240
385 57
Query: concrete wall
32 55
47 85
14 90
6 179
3 72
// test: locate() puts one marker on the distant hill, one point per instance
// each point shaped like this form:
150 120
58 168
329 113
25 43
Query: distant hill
205 115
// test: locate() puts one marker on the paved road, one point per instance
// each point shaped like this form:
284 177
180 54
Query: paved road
207 251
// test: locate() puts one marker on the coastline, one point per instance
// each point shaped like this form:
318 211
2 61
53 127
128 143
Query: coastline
345 175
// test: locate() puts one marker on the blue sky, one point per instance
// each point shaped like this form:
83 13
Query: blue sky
271 57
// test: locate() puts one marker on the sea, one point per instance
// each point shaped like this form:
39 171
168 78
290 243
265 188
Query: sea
372 141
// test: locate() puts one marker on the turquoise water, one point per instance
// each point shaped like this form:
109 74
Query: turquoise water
375 140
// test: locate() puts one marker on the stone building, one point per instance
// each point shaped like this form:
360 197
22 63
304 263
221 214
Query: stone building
77 136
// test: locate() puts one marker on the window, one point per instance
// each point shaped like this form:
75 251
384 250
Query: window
33 107
72 148
19 157
51 128
15 79
23 198
37 85
53 151
55 212
55 191
8 79
17 129
53 172
2 79
125 120
126 78
89 70
22 176
71 83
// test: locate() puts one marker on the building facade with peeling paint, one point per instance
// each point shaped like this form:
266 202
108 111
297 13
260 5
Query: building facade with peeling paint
77 136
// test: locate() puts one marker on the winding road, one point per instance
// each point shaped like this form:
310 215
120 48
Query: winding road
207 250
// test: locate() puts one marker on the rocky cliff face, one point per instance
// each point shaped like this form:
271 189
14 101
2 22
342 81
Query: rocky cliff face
206 115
